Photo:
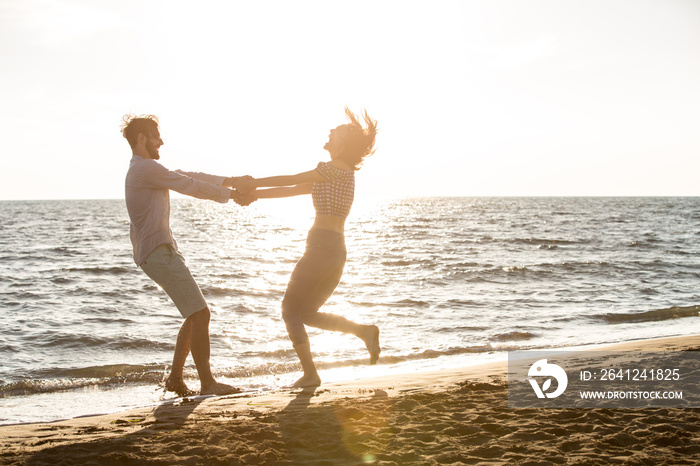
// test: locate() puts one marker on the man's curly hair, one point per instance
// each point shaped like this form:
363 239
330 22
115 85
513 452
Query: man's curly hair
133 125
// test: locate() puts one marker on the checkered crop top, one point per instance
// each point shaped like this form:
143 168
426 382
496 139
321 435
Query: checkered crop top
333 196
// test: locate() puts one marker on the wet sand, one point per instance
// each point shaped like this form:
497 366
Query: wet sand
442 417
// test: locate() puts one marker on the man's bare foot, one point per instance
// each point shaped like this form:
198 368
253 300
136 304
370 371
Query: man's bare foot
371 340
307 381
219 389
178 386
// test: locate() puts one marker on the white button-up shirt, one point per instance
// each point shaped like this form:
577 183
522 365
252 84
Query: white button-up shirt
148 185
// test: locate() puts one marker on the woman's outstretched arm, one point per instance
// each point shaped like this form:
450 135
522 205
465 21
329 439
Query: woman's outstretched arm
287 191
312 176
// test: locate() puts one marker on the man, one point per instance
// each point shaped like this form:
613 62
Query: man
148 185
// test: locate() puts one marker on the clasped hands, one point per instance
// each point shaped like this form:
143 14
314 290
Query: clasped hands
243 189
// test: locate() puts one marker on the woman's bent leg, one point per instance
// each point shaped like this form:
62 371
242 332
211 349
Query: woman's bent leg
369 334
332 322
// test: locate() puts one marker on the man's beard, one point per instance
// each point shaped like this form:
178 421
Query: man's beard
153 151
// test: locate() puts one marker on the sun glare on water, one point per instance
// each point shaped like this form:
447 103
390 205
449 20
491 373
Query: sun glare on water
293 213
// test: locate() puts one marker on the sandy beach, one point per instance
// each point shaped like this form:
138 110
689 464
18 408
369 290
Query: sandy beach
444 417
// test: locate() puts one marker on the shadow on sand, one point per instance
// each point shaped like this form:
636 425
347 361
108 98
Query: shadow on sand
168 417
349 433
338 433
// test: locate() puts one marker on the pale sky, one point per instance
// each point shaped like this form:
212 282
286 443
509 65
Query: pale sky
473 98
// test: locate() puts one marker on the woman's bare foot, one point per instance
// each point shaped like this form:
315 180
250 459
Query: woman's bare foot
178 386
371 339
219 389
307 381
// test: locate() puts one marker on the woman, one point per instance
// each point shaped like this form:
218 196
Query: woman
316 275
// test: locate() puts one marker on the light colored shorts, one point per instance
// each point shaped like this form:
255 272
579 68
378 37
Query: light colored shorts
167 268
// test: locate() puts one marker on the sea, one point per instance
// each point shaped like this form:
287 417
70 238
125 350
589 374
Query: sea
449 281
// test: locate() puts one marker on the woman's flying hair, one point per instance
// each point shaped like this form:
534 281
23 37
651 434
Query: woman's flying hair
360 143
132 125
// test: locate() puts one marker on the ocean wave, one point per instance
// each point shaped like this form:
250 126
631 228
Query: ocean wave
26 257
514 336
109 376
66 251
23 296
62 280
387 359
461 303
100 270
463 328
397 263
465 265
118 342
436 353
497 273
55 380
98 372
650 316
542 241
217 291
413 263
409 303
110 320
